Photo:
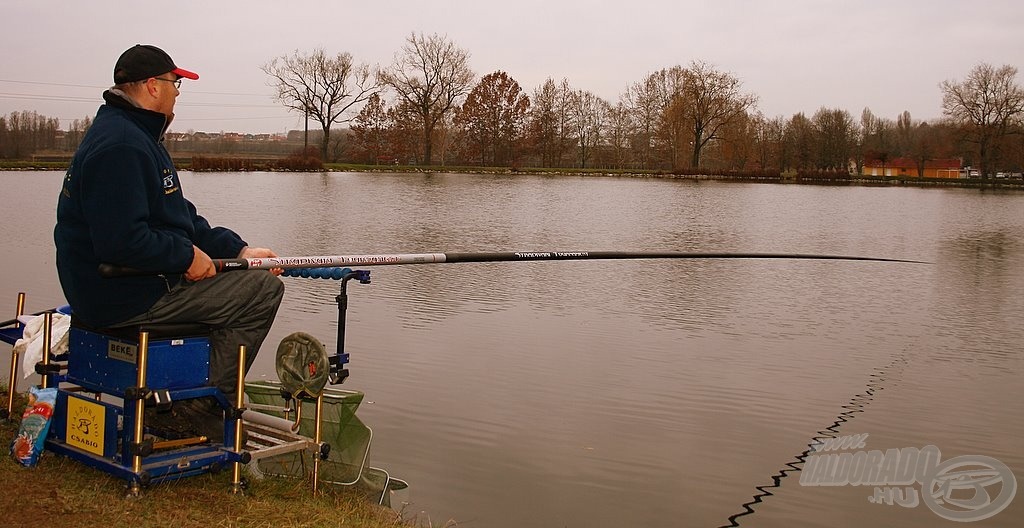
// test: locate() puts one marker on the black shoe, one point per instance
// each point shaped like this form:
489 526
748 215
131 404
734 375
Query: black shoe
204 416
168 425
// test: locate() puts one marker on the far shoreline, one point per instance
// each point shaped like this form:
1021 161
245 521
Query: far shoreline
723 176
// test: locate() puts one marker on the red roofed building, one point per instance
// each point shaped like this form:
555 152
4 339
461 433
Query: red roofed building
937 168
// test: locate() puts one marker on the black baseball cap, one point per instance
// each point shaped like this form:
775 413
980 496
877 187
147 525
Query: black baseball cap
143 61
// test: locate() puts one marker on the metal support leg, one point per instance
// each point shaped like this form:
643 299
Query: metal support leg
236 477
13 383
316 439
47 338
140 408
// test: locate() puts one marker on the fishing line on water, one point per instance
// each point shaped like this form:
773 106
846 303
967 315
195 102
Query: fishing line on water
856 405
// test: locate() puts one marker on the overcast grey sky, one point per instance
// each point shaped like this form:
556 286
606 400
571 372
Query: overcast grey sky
795 55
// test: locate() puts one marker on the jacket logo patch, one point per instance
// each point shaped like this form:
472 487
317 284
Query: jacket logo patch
170 185
66 190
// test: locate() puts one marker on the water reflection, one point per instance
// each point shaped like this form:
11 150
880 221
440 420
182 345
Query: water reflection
635 393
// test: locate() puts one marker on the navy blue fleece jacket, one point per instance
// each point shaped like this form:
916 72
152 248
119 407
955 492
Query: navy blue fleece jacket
122 203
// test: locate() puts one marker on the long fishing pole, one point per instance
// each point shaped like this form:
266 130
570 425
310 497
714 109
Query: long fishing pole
392 259
518 256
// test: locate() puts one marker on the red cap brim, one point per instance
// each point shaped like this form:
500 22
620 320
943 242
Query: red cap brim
186 74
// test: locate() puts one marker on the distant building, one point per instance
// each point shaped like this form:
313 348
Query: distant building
906 167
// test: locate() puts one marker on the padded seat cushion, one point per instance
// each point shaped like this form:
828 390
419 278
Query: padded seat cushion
156 330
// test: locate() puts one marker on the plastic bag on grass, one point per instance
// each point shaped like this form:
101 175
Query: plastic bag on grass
35 425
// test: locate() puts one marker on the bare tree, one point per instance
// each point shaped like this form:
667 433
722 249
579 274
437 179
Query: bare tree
987 103
768 135
588 115
867 125
798 143
671 124
736 151
619 129
76 131
23 133
914 141
444 135
321 87
904 132
550 121
877 140
712 100
836 132
405 134
644 102
430 74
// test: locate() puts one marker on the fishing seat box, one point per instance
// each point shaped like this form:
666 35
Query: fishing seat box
105 360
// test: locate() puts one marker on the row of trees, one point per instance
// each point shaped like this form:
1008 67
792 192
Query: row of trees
427 108
24 133
432 84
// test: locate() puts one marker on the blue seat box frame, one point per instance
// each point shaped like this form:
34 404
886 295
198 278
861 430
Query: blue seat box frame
95 412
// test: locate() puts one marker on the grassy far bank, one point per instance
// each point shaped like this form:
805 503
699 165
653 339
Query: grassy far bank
62 492
830 178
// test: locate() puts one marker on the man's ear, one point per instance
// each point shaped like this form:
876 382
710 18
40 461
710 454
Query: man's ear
151 87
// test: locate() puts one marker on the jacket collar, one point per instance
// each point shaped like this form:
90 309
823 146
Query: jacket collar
154 123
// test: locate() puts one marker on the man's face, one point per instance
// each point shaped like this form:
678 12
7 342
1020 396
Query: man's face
165 91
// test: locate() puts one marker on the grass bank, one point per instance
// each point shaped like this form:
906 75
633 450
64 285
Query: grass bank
62 492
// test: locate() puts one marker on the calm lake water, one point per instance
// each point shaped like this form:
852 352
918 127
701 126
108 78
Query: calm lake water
636 393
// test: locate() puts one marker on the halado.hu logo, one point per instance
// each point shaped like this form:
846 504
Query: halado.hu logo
958 489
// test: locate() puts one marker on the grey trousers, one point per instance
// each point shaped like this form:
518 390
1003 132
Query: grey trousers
239 305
